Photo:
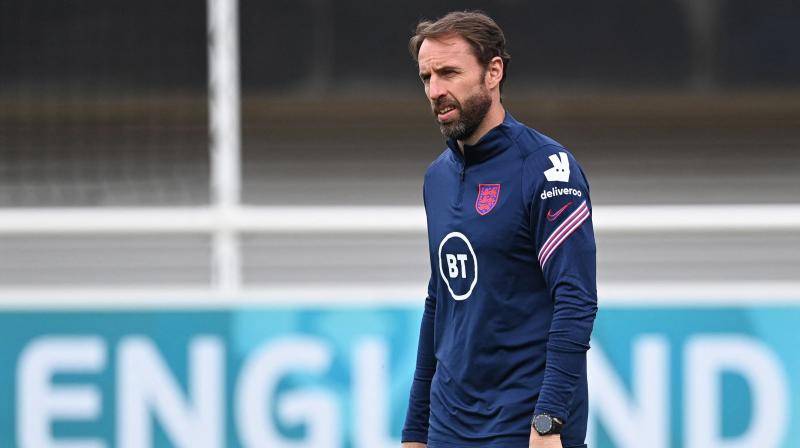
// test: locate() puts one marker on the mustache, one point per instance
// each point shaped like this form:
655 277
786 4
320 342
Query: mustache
444 102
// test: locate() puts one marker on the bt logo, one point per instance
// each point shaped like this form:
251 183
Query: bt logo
452 265
458 265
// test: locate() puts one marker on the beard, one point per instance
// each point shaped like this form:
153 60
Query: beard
470 116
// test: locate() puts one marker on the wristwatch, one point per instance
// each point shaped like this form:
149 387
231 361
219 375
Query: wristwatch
545 424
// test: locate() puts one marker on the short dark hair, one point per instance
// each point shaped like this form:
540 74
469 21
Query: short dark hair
481 32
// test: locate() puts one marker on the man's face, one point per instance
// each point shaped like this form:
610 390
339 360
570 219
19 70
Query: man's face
454 84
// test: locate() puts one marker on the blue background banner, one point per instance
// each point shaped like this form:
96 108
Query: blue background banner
339 377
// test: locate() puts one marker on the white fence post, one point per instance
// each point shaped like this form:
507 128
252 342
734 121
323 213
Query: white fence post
225 130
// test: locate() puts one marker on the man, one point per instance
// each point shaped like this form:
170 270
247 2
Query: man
512 297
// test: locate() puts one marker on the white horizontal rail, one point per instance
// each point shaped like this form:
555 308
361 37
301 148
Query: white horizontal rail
677 218
355 219
106 220
203 219
627 294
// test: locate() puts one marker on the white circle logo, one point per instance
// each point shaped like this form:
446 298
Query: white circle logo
455 258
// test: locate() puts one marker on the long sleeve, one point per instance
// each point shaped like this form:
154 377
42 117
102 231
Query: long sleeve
562 228
416 425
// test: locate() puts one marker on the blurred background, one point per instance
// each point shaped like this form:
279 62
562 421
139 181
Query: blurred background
683 110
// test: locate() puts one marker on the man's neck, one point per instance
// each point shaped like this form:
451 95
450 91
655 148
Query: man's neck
493 118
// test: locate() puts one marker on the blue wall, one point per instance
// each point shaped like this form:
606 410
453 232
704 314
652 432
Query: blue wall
339 376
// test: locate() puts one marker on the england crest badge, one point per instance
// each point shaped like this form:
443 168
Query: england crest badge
488 194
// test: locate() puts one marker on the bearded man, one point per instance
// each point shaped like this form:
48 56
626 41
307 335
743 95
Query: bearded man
512 295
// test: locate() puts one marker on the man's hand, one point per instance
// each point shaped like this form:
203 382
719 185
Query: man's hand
548 441
412 445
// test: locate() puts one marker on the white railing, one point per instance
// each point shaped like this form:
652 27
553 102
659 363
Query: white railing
234 219
369 219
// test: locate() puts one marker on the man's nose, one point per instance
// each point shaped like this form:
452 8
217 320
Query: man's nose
435 89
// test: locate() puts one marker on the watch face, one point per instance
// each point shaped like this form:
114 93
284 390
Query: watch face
543 423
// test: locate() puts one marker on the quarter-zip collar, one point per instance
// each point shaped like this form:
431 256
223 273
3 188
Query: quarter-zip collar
497 140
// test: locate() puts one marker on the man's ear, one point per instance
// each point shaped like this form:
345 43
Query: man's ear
494 72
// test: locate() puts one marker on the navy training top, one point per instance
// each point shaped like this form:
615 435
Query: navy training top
512 295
